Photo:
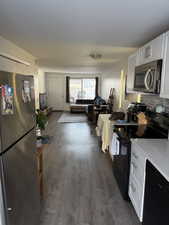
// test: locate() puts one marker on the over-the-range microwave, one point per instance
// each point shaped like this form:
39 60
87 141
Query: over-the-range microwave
148 77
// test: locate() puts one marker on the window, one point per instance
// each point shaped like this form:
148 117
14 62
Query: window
82 88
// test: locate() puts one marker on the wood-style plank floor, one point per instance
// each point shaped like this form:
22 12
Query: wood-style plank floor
80 188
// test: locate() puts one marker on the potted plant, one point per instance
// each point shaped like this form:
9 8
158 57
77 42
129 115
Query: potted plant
41 119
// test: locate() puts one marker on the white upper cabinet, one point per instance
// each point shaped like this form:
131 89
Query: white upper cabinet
164 93
132 62
153 50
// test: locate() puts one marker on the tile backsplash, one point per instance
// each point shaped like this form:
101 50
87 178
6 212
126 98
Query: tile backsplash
153 100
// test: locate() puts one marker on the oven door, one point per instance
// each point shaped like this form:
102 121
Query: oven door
121 167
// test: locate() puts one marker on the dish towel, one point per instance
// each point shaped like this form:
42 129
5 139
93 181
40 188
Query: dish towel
104 130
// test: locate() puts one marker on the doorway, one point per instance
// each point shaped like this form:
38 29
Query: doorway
55 91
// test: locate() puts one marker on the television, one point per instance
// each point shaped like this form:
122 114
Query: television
43 101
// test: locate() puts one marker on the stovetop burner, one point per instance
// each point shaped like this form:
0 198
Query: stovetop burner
157 127
142 131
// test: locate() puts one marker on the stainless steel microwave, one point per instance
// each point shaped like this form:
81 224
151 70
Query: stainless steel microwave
148 77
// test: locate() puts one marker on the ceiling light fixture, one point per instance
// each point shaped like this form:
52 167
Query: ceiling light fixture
95 55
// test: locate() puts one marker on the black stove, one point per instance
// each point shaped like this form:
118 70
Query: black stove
148 132
157 128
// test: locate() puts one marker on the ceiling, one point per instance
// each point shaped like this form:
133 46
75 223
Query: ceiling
64 32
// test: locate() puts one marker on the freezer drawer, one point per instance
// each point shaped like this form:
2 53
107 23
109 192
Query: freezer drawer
21 182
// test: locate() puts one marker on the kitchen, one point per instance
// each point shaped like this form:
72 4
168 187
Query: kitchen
140 152
57 39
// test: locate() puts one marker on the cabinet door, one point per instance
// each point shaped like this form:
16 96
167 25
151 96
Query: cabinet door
131 71
137 178
156 197
55 92
135 195
164 93
153 50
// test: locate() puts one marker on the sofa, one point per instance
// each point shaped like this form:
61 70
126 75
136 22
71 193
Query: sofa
80 105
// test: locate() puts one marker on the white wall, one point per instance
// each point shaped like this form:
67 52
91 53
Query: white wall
9 49
111 79
41 81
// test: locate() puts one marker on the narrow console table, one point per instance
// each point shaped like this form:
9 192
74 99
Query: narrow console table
39 156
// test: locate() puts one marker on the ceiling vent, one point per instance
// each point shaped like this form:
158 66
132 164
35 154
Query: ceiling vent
95 56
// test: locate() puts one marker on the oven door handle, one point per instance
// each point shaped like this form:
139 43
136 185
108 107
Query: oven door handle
117 146
148 73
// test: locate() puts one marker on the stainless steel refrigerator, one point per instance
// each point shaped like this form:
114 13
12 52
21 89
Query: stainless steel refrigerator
19 189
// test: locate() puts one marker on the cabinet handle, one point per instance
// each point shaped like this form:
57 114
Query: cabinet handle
9 209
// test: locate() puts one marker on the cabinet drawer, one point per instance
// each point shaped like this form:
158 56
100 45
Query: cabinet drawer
135 195
137 169
138 158
137 153
137 178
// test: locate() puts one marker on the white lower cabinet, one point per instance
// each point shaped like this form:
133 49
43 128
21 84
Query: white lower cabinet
137 179
135 195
